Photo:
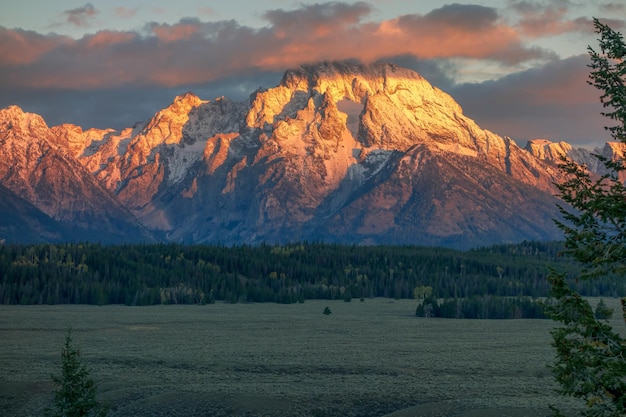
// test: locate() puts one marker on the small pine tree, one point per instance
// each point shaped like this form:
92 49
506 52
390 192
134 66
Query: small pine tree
603 312
75 395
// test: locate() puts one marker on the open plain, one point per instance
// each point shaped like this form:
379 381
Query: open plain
370 358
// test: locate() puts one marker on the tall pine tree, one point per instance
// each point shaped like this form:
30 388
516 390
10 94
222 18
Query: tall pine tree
590 359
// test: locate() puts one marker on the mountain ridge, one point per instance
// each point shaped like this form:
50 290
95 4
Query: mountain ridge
340 152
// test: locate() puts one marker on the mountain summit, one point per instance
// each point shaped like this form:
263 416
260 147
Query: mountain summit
339 152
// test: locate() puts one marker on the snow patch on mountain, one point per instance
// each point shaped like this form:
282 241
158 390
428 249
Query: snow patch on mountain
210 118
182 159
549 151
373 161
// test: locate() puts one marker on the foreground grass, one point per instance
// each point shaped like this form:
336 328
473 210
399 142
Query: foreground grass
366 358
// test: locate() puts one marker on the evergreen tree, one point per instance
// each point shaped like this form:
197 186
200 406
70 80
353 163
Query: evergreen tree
603 311
75 395
590 359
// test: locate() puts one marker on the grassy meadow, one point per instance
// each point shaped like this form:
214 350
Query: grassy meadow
370 358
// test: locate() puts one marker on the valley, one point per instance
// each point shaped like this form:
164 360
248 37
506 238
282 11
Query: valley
370 358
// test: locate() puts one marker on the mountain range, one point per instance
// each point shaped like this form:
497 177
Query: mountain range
337 152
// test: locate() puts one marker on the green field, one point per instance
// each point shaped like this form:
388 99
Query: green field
369 358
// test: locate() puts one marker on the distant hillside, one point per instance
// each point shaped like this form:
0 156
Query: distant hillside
156 274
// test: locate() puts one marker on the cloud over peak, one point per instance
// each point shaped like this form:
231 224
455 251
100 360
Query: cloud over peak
194 51
94 78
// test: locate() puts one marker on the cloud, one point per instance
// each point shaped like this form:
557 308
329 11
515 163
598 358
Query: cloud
319 20
81 16
465 16
613 7
615 24
467 31
115 78
552 18
439 72
540 20
553 102
123 12
207 11
23 49
122 107
185 30
193 51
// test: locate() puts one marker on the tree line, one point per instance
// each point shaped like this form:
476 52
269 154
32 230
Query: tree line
483 307
147 274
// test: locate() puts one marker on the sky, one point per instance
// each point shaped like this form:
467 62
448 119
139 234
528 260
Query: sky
517 67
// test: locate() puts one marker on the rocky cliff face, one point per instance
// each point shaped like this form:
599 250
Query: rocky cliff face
552 152
336 152
37 165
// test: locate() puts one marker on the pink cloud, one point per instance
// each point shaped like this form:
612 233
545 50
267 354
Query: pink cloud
441 37
192 51
104 39
123 12
552 21
163 59
181 31
20 47
207 11
552 18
